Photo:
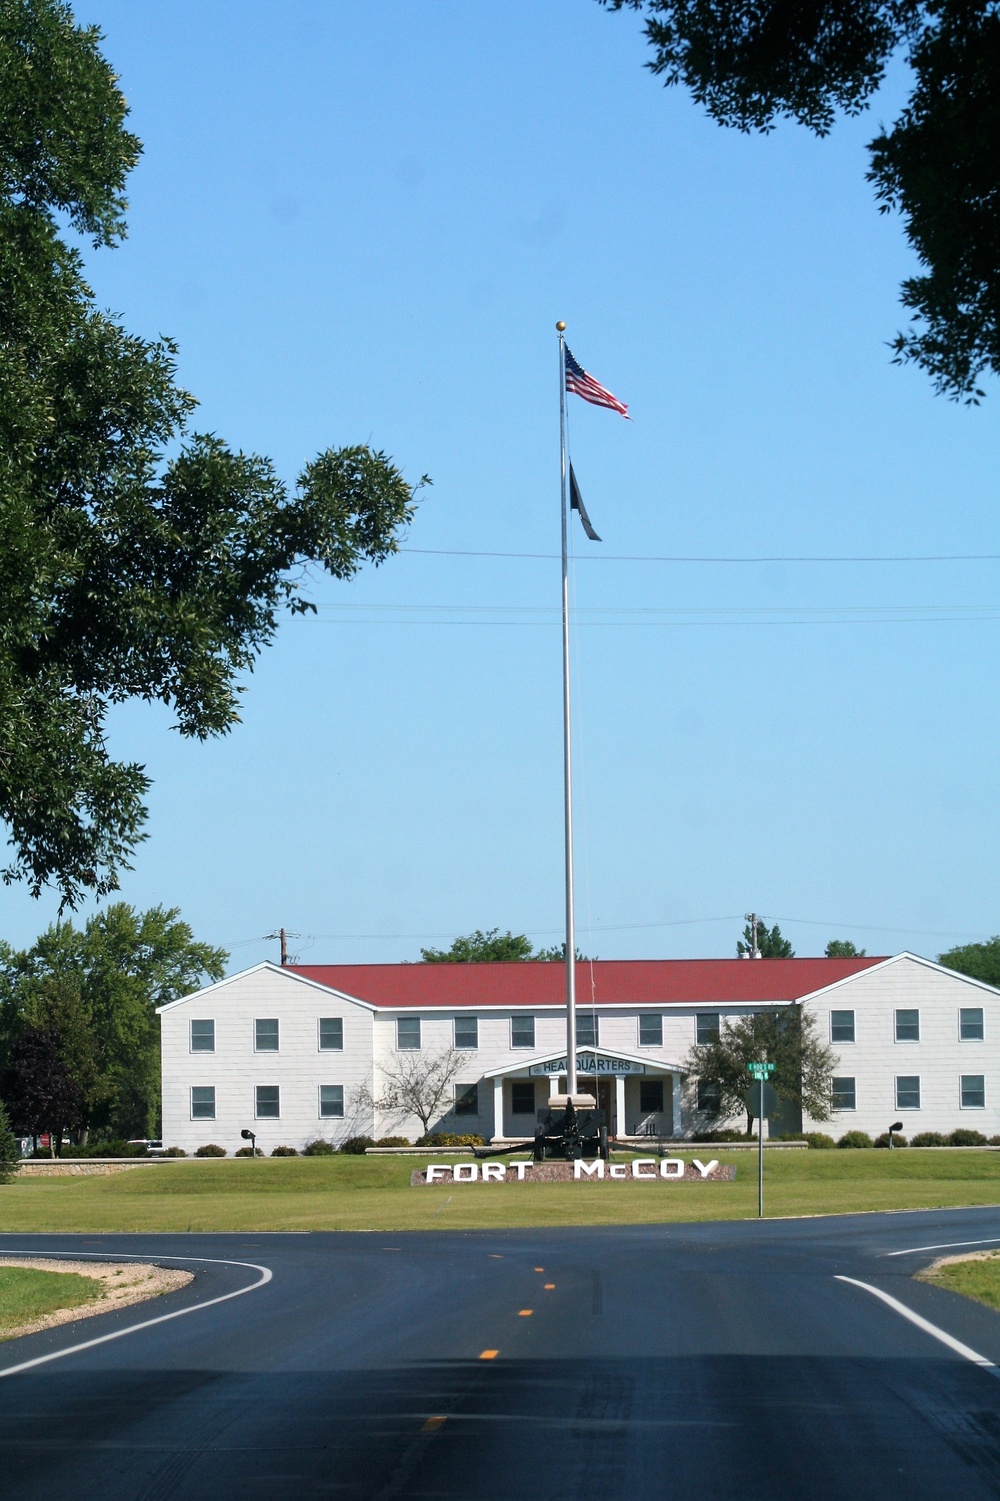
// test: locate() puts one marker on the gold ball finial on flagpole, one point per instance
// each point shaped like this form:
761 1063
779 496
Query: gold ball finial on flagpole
561 326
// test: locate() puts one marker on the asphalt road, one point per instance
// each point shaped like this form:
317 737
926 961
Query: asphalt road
696 1361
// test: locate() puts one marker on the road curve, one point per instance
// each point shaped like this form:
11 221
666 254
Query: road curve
770 1360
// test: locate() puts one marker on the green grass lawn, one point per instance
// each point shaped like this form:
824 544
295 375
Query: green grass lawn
979 1279
374 1193
26 1295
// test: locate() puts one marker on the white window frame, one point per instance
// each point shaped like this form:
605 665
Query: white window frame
463 1089
521 1046
649 1016
591 1016
277 1114
704 1016
324 1115
522 1114
338 1047
895 1092
191 1102
420 1035
961 1092
905 1041
256 1023
467 1021
844 1109
201 1020
982 1023
843 1042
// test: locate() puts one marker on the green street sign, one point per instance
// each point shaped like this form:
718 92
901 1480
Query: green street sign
760 1070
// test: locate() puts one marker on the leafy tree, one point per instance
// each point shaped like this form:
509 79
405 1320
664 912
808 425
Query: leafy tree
979 960
95 991
138 559
9 1156
750 62
482 948
557 954
843 948
788 1038
770 943
415 1083
38 1087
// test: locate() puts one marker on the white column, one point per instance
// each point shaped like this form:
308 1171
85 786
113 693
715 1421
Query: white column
676 1093
553 1085
497 1108
620 1103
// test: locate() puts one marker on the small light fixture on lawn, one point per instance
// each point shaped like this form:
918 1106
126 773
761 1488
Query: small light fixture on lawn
896 1126
251 1138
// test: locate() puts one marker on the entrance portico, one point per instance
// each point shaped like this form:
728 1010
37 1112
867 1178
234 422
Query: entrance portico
641 1096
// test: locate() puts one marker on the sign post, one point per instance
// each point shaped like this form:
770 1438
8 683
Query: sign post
761 1101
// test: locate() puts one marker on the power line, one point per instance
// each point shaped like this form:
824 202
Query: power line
593 557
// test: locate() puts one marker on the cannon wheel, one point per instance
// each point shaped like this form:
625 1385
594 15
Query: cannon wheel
603 1148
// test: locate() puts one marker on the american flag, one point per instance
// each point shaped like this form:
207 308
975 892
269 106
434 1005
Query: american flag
582 384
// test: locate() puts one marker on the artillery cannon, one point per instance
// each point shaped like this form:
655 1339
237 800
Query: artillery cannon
570 1127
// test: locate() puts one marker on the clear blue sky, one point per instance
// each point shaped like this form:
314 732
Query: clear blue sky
361 221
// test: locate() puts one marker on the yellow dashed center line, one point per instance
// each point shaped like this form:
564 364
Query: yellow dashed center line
549 1286
525 1313
488 1354
539 1269
434 1422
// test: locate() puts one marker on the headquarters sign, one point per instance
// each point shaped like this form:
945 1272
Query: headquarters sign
589 1063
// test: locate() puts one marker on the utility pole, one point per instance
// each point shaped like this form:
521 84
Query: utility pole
283 935
754 922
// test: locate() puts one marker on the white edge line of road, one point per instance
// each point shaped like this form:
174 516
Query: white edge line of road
945 1245
925 1324
179 1313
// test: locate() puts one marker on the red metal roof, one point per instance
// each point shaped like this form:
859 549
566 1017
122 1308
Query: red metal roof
617 982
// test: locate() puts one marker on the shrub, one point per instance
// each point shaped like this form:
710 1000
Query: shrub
393 1141
249 1152
449 1139
929 1139
285 1152
897 1140
995 1141
963 1137
354 1146
9 1162
173 1152
724 1133
814 1138
855 1139
321 1148
212 1149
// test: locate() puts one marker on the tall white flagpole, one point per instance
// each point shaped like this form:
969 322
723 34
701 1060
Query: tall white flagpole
567 737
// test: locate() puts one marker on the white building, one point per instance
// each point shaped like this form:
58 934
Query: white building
286 1052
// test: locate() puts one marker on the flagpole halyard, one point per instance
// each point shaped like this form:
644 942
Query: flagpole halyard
567 735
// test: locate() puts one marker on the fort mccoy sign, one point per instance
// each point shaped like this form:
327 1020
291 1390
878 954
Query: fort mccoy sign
639 1170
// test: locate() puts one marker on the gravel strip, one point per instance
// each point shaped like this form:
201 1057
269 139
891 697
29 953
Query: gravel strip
124 1283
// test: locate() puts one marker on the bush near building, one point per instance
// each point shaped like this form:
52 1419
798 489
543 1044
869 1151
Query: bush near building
284 1152
855 1139
211 1149
321 1148
896 1140
249 1152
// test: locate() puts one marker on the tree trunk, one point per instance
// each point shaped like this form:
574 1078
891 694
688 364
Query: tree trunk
750 1121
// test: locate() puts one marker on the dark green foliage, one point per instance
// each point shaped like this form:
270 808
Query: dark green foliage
751 62
842 948
786 1036
354 1146
124 573
173 1152
284 1152
855 1139
393 1141
816 1139
929 1139
249 1152
450 1139
211 1149
96 991
482 948
981 961
769 942
883 1140
9 1159
36 1083
966 1138
724 1133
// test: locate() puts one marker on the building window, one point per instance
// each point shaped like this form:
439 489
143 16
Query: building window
265 1035
970 1023
650 1031
331 1101
522 1032
973 1092
841 1026
907 1026
709 1098
706 1026
908 1092
407 1033
466 1032
843 1094
650 1096
203 1102
586 1029
466 1099
522 1097
267 1102
331 1034
202 1037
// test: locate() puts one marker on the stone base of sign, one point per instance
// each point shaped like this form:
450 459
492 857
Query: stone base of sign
650 1170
